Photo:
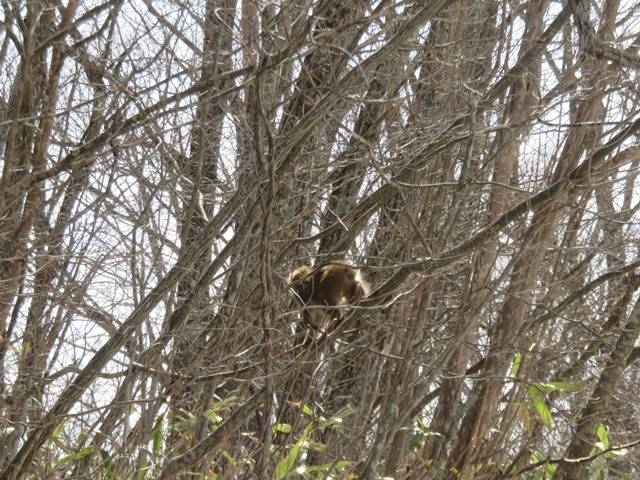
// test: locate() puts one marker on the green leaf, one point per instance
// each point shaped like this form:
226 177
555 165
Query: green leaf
540 405
557 387
515 368
619 473
336 419
416 441
287 463
548 470
328 466
157 438
83 452
602 435
317 446
282 428
565 386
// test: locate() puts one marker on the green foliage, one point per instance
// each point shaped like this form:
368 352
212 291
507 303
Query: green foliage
286 467
515 368
157 434
596 469
542 473
223 404
540 406
421 432
108 464
600 468
539 401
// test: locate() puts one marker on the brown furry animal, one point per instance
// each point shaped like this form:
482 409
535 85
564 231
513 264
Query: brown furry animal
322 291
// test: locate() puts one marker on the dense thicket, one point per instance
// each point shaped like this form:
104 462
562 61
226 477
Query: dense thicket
166 164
